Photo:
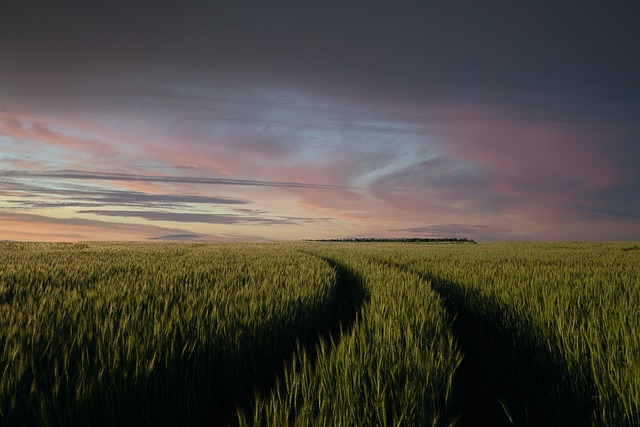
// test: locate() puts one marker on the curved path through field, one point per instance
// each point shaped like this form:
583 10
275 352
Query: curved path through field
347 300
506 377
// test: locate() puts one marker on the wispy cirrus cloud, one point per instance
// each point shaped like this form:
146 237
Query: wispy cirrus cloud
208 218
523 166
45 138
38 195
90 194
100 176
41 198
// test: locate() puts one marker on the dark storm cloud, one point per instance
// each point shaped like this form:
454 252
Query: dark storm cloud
586 48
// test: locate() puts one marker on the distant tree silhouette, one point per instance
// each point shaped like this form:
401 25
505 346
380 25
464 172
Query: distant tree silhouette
398 239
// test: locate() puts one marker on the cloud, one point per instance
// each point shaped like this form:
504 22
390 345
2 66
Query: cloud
608 213
26 226
178 237
99 176
41 137
235 152
435 173
47 195
190 237
475 232
444 229
208 218
100 198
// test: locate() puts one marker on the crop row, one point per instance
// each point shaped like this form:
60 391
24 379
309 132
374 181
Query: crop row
150 334
393 367
553 328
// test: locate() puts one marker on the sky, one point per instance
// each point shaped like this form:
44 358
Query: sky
286 120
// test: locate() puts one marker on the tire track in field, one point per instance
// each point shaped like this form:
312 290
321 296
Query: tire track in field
476 391
351 295
506 378
500 366
475 399
348 298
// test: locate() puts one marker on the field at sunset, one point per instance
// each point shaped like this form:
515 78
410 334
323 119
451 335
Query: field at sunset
319 333
336 212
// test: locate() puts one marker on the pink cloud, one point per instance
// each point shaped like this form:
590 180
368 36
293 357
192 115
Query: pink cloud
517 153
30 227
51 131
518 174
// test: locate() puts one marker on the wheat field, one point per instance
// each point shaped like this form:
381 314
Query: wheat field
319 333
